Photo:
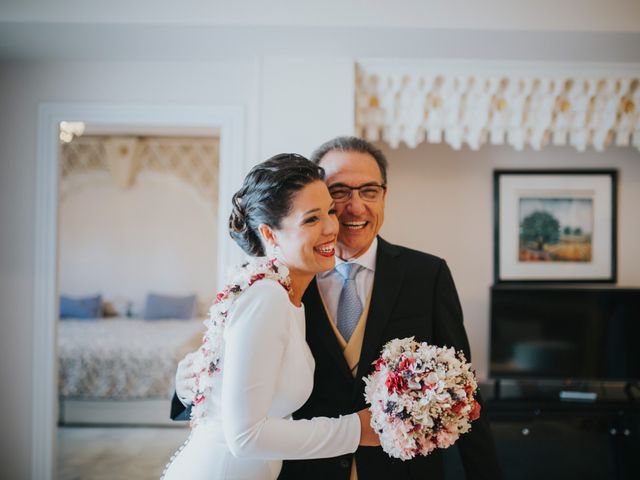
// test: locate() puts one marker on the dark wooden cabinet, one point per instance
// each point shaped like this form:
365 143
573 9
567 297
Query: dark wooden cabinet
562 440
567 440
550 343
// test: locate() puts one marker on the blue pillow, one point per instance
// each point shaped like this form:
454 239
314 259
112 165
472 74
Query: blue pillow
165 306
83 307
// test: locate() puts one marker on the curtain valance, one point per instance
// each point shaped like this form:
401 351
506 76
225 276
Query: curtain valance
517 104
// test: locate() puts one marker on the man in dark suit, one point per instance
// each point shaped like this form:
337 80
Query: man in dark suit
398 293
406 293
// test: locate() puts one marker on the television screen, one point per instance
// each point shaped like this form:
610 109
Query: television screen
565 333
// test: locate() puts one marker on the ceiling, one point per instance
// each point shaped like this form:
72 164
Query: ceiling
556 15
204 30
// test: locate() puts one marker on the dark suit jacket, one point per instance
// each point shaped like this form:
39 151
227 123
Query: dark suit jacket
178 410
413 295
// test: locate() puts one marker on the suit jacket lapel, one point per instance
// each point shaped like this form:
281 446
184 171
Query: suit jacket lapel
320 336
386 286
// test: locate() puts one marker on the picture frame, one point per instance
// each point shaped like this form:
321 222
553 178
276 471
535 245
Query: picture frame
555 226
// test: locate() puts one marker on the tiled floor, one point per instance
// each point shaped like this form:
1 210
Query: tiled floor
87 453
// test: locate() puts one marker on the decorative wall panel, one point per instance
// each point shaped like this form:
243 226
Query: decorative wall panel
192 160
514 104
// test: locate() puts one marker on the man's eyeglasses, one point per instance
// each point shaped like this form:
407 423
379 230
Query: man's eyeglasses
369 192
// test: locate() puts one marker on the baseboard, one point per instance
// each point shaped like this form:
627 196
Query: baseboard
117 413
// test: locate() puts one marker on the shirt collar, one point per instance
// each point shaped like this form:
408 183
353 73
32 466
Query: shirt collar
366 260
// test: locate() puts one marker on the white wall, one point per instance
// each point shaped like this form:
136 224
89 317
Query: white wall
158 236
441 201
305 101
16 275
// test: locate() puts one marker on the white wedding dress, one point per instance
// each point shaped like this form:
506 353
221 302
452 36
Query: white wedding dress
267 373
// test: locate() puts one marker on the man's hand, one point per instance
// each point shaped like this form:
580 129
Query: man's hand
185 380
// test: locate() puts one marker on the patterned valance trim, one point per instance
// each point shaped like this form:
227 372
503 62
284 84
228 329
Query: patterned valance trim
516 104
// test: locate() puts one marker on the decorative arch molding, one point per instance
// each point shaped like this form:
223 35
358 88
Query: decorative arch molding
194 161
517 104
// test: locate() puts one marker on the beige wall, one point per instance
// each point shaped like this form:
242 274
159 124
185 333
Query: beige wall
441 201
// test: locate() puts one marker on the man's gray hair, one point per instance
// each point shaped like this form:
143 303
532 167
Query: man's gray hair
352 144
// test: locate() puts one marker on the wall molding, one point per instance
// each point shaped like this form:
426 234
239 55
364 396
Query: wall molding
230 122
515 103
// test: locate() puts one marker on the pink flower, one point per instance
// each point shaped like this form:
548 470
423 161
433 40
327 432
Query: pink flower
475 411
406 363
256 277
458 406
395 383
427 447
445 438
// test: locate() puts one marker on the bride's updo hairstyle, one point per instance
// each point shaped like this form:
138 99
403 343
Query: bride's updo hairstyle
265 197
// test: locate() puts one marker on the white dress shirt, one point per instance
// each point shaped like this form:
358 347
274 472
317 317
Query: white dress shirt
330 283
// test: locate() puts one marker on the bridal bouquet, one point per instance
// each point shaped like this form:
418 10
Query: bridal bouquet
421 397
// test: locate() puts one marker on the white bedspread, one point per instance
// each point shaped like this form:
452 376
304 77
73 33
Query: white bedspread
123 358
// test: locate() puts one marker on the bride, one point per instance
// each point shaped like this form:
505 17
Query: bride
255 368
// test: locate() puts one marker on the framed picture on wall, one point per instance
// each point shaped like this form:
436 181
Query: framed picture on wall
555 225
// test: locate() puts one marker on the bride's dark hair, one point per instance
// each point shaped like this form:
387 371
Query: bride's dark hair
265 197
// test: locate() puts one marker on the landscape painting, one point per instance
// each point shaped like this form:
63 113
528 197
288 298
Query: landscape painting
555 225
555 229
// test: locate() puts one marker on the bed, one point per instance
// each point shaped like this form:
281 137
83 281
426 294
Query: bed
121 370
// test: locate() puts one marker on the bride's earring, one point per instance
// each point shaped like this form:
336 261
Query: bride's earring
277 253
273 251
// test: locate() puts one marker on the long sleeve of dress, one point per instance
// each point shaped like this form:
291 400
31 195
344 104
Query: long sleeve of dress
258 332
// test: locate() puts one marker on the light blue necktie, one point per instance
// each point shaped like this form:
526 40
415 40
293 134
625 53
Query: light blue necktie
349 304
